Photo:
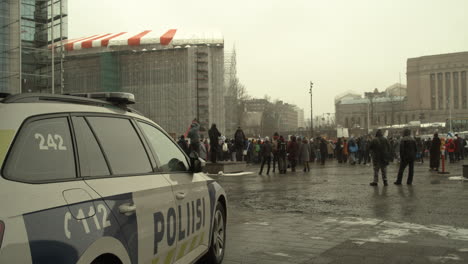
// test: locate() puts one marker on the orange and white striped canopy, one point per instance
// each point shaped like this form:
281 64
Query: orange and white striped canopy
146 37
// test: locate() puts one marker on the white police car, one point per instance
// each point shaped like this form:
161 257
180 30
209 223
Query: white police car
91 181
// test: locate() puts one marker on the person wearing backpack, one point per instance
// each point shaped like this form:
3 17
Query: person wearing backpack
408 150
282 153
380 150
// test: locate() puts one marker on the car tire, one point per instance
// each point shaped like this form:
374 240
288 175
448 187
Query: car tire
217 248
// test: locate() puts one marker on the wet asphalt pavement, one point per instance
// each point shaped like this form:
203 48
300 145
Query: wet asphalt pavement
332 215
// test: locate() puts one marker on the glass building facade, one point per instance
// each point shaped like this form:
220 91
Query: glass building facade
28 30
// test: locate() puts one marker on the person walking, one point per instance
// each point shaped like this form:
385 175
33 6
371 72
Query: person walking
380 151
304 154
282 153
239 141
435 153
266 154
214 135
292 151
408 151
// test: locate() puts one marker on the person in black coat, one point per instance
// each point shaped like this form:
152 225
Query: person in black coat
183 144
323 150
380 150
239 140
408 151
435 153
214 135
339 150
266 153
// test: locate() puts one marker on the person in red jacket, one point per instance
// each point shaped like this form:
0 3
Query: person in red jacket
451 150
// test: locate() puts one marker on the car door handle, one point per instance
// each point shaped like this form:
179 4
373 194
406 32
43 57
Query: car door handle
180 195
127 209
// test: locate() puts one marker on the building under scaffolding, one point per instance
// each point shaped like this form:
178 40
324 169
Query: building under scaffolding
175 77
26 32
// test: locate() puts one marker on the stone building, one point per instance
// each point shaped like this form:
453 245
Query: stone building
437 89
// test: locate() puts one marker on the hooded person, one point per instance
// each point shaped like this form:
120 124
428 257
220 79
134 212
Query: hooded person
434 153
214 135
407 151
239 141
380 151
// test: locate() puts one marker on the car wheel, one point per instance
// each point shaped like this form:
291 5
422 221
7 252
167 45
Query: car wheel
218 236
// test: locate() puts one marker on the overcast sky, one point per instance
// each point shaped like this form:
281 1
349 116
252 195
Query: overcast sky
282 45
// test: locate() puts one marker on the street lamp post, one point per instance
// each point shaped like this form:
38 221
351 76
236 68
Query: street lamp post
311 111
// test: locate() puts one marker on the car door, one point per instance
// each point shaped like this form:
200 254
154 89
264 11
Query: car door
50 207
190 192
140 199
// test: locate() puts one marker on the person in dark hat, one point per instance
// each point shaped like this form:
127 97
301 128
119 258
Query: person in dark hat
380 151
214 135
408 151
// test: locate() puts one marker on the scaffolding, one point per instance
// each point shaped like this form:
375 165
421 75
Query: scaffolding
172 86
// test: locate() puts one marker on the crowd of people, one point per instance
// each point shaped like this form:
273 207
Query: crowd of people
294 151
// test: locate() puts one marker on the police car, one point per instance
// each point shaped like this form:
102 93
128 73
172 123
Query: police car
85 179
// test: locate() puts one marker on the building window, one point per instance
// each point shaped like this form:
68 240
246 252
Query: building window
440 92
456 94
463 88
448 88
433 91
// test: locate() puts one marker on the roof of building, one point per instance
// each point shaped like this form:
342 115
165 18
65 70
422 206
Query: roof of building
171 37
347 95
375 100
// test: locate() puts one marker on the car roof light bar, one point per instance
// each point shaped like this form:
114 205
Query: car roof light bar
114 97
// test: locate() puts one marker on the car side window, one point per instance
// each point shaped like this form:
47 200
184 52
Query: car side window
92 161
169 155
121 144
42 151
